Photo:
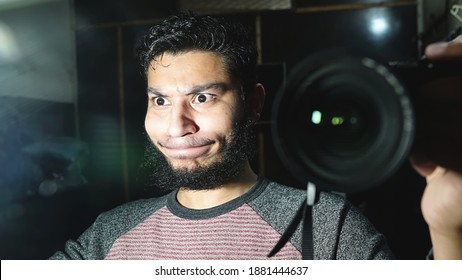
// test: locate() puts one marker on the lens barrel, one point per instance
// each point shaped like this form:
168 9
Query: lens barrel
343 121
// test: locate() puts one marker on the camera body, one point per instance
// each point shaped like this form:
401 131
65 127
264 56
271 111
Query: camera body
346 121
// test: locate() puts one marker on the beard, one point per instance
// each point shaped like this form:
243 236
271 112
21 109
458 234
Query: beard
240 148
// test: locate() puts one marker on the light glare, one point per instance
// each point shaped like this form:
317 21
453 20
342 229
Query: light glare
379 26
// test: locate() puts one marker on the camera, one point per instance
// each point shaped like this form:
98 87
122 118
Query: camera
346 120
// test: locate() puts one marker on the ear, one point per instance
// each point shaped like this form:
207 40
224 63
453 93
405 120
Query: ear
255 102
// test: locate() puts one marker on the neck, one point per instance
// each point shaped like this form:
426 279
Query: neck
204 199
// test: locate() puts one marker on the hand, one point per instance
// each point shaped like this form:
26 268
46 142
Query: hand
445 50
442 208
442 200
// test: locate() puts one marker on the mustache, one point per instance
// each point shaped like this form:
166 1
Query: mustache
192 141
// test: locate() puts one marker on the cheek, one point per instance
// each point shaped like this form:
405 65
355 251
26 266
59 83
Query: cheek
150 127
221 123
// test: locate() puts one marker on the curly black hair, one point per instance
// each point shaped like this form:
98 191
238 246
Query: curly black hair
187 32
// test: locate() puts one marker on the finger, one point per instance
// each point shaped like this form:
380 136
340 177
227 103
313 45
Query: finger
445 50
422 165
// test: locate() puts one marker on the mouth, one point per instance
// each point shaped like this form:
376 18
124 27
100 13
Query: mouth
190 149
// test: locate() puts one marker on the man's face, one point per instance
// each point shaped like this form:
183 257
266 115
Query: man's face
194 113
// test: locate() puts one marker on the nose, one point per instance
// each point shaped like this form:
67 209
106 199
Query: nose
181 121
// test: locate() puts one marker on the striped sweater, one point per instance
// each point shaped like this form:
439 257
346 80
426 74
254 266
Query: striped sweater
247 227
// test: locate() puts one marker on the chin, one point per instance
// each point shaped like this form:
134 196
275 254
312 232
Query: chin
188 163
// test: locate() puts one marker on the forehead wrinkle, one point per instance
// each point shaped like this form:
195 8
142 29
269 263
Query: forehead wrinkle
182 83
154 91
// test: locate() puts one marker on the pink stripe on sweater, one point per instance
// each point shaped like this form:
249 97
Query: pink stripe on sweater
239 234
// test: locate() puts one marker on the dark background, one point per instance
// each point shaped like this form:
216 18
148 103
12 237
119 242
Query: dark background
110 110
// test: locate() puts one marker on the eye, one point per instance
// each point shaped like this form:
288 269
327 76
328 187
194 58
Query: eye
203 98
159 101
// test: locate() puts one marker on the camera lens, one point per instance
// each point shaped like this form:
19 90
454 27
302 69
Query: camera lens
342 121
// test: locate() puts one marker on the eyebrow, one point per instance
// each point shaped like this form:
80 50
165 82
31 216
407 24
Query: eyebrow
195 89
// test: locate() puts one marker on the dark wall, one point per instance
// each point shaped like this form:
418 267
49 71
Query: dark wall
29 222
111 98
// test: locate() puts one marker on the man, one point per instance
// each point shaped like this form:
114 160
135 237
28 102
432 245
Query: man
203 102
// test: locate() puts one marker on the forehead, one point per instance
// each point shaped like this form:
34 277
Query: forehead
191 65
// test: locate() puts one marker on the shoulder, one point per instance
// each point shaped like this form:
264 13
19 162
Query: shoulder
277 201
345 232
332 202
282 193
277 204
137 210
95 242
